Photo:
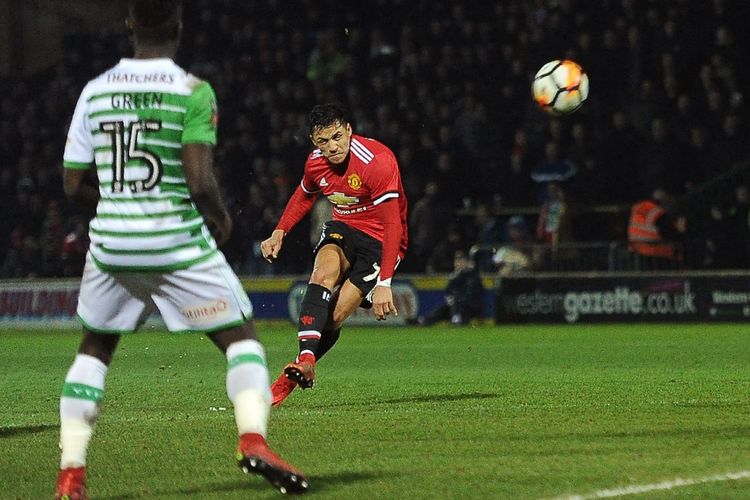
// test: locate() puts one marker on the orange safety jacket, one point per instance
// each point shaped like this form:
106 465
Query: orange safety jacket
643 234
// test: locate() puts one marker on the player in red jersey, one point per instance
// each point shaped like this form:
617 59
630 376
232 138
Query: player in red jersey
358 250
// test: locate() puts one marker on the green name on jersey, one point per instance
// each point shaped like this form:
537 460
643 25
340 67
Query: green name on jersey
138 100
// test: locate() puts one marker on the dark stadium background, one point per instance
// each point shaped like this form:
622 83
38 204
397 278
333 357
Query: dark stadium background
444 84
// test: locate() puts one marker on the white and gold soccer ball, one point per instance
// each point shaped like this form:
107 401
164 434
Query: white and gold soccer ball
560 87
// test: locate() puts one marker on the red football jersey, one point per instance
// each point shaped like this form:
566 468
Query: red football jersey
370 177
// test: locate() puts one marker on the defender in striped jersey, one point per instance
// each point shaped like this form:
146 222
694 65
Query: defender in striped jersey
148 129
358 250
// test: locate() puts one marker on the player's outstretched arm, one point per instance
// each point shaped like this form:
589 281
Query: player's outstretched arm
297 207
271 247
198 162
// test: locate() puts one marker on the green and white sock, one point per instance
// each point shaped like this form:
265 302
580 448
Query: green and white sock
79 408
248 386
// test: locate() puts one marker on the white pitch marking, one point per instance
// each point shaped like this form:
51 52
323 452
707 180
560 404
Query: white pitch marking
664 485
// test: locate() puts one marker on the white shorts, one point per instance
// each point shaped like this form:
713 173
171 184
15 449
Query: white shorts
204 298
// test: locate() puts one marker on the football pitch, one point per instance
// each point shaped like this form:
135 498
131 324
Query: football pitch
474 412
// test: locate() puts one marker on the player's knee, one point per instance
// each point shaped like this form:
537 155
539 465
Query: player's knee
325 277
98 345
224 338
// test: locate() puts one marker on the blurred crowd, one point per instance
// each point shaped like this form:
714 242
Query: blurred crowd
446 85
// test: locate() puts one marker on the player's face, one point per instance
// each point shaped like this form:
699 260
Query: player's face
333 141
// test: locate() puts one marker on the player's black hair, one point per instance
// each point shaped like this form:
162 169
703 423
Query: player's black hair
155 21
324 115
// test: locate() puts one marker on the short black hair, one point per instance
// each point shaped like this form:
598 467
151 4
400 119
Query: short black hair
324 115
155 21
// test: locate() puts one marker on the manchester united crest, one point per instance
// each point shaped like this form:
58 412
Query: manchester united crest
354 181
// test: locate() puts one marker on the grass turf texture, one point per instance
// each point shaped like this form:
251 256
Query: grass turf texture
485 412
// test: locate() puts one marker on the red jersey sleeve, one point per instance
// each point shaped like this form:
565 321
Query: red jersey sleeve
300 203
390 215
385 188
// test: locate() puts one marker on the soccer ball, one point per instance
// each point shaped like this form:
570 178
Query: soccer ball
560 87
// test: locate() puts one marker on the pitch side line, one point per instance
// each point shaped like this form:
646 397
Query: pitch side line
664 485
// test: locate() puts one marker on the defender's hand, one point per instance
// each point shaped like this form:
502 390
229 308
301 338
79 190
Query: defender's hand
271 247
382 302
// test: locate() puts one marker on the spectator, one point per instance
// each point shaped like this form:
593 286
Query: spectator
700 163
427 223
554 167
516 253
487 234
441 256
654 232
450 176
555 227
589 181
488 230
731 146
13 265
722 250
738 230
618 156
515 185
659 158
464 295
52 236
555 222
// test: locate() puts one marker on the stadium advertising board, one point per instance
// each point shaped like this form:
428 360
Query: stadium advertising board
52 303
44 303
666 298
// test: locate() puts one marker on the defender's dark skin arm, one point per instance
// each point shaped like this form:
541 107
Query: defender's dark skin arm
198 163
78 190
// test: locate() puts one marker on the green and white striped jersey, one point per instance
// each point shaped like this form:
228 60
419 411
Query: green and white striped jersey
131 122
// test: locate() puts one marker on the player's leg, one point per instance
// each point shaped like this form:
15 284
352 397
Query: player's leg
315 311
329 336
81 396
364 255
331 266
247 388
105 304
209 298
283 386
361 276
348 299
331 333
247 381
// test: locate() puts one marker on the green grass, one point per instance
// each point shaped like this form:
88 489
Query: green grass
489 412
